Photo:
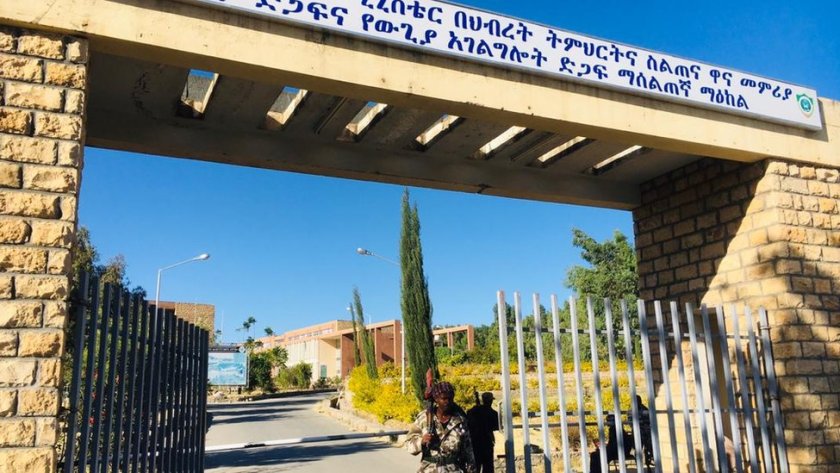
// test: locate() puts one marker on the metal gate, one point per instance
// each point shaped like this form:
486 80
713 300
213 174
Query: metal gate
715 407
137 398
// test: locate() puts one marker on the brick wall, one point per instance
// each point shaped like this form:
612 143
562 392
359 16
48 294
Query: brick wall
200 315
42 100
765 234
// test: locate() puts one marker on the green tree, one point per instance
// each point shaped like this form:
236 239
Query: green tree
251 344
85 255
611 274
262 364
366 340
269 331
357 353
278 356
248 323
415 303
259 371
85 259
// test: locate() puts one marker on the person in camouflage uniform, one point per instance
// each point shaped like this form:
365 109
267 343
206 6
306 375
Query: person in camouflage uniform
442 436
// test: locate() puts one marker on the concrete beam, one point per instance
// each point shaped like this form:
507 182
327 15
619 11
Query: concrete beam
178 34
196 139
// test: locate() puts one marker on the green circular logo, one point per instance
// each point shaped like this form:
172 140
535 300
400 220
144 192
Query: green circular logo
806 104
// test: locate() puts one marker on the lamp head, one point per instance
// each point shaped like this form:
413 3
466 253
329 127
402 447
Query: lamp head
363 252
203 256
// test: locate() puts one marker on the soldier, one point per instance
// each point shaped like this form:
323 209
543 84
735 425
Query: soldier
483 422
441 435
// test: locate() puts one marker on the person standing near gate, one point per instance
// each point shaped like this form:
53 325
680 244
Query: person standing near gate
441 435
483 422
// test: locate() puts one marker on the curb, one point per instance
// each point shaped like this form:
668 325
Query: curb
358 424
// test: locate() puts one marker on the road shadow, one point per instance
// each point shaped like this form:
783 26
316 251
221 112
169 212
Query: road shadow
266 417
278 456
263 404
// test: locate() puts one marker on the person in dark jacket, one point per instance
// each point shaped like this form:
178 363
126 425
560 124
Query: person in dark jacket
483 421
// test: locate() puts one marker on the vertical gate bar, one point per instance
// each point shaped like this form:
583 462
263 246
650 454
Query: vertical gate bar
541 374
174 413
184 423
177 385
194 394
666 383
90 358
730 392
187 424
596 379
172 380
186 390
698 386
773 390
523 382
619 428
155 398
189 377
141 449
714 390
561 384
759 393
631 375
675 323
132 418
584 445
80 314
504 356
169 376
131 371
119 431
181 409
111 387
100 379
165 391
746 403
169 371
202 407
200 379
184 401
653 413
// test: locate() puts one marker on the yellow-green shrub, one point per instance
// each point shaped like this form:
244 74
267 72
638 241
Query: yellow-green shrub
381 397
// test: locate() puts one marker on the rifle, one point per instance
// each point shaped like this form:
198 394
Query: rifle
434 443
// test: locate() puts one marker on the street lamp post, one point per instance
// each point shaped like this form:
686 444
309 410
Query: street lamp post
200 257
365 252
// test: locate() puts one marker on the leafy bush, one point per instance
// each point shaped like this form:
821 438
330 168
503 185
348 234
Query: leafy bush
382 397
445 356
324 383
295 377
390 370
259 372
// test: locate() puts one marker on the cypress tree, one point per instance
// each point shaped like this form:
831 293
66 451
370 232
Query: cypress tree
357 357
366 342
415 304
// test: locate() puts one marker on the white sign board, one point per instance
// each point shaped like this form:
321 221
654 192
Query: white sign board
225 368
469 33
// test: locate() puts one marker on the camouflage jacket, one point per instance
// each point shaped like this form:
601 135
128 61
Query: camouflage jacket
454 454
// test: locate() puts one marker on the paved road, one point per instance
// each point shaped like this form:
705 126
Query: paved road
294 417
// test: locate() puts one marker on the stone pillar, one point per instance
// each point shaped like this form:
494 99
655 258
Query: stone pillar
42 100
764 234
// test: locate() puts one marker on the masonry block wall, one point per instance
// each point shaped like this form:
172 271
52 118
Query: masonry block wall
201 315
764 234
42 101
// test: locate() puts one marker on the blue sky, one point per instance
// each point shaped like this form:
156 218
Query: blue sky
283 244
